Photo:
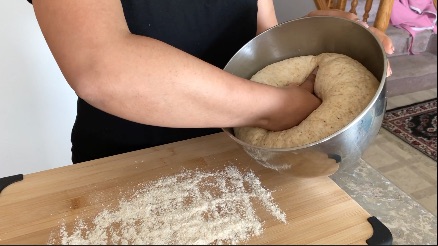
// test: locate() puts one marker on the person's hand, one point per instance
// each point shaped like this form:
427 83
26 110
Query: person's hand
309 83
387 45
300 102
382 37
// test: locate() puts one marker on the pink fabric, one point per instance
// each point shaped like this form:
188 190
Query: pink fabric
414 16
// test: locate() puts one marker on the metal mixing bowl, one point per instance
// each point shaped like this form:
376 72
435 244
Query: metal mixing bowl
313 36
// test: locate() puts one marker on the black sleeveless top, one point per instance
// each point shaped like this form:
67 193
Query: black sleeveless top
212 30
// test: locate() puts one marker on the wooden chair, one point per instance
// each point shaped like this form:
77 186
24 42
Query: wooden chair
383 13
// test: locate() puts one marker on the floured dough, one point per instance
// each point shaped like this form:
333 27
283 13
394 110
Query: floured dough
343 84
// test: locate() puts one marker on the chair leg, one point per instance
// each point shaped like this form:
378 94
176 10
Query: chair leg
383 14
321 4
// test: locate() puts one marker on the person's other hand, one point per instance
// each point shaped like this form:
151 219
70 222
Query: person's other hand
382 37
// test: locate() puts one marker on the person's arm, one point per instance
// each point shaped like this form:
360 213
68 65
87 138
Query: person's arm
147 81
266 17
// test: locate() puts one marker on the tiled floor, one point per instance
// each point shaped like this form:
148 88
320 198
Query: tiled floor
406 167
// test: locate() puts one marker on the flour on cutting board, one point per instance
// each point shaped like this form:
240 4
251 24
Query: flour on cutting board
192 207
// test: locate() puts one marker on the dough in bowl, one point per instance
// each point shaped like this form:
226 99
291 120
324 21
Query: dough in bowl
344 86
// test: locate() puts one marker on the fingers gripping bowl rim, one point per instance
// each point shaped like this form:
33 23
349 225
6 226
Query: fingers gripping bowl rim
313 36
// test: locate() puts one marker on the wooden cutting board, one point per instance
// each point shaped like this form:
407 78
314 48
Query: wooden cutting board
317 210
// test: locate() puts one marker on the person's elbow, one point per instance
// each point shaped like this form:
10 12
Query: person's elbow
89 81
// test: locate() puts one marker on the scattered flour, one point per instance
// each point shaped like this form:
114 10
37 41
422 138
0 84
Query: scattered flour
192 207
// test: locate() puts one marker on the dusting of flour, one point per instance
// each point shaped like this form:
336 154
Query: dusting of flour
191 207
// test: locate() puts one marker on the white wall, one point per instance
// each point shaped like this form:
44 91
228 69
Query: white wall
37 107
292 9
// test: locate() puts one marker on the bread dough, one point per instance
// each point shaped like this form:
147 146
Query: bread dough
344 86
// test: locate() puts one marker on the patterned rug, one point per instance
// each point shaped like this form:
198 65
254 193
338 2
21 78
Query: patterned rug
416 125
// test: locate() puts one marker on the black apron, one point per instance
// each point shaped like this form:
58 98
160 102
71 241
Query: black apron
212 30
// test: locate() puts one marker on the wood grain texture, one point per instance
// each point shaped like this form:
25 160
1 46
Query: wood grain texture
318 211
383 15
321 4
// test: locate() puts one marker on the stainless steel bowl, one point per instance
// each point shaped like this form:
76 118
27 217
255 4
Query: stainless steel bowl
313 36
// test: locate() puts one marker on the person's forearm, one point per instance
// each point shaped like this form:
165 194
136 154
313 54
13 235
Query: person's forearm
266 17
147 81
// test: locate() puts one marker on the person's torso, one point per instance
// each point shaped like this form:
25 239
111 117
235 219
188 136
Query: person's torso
212 30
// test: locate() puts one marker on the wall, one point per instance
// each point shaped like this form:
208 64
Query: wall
37 106
290 10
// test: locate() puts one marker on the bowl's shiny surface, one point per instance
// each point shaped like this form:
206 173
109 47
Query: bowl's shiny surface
313 36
